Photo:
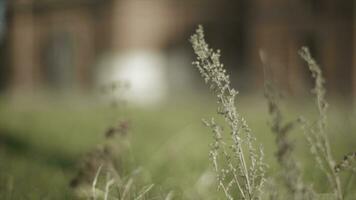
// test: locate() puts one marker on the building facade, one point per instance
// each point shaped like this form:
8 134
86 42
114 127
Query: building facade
57 43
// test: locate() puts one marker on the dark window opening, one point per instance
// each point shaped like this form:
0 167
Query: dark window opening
58 60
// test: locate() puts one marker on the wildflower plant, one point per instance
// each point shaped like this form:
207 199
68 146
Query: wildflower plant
238 164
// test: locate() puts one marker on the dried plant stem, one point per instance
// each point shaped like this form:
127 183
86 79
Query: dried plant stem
316 135
239 160
95 181
144 191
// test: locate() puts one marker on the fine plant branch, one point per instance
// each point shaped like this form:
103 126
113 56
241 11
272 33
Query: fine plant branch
233 156
316 134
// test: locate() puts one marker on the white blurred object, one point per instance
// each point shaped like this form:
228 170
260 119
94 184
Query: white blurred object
143 71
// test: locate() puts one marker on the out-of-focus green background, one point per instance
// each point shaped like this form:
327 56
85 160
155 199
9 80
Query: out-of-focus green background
71 69
42 144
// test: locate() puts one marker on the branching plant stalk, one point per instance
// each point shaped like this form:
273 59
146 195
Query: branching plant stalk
240 162
316 136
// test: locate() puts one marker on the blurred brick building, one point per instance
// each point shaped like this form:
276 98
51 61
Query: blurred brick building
54 42
327 27
57 43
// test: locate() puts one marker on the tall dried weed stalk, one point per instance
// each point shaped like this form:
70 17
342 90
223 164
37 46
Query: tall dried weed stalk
316 132
239 166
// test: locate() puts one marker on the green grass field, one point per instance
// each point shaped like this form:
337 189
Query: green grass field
42 142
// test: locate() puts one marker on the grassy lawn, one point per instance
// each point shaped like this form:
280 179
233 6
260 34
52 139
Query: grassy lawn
41 144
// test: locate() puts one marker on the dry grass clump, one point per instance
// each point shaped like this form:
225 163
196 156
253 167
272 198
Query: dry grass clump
101 177
237 162
117 188
106 155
